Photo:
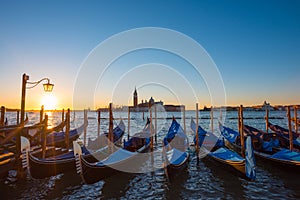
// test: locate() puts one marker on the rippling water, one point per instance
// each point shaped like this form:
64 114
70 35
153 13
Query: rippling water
206 180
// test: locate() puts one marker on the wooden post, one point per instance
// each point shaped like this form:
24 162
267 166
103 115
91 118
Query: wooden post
220 113
2 116
99 121
242 131
239 120
85 120
18 117
63 115
41 113
40 137
20 171
212 119
44 137
110 130
143 115
67 133
155 124
164 157
151 129
296 119
290 128
184 125
128 123
267 120
197 133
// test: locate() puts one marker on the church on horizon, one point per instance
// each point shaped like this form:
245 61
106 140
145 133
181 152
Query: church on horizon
145 105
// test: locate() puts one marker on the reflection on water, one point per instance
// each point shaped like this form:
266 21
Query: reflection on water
208 180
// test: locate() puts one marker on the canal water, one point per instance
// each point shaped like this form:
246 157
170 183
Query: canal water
207 180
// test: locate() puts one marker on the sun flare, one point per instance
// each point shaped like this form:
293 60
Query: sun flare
49 101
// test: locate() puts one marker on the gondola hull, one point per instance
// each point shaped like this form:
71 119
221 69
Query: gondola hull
41 168
92 172
57 161
116 160
6 165
174 169
237 167
264 157
175 150
221 155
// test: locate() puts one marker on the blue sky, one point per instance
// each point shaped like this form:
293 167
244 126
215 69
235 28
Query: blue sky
254 44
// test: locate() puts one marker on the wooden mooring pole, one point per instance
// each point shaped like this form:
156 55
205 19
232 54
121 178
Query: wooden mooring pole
296 119
197 134
151 129
128 135
290 128
110 130
2 116
85 122
44 137
267 120
212 119
155 124
18 117
67 133
99 122
184 124
241 129
42 114
63 115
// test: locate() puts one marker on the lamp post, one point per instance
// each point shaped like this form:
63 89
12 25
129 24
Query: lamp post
47 88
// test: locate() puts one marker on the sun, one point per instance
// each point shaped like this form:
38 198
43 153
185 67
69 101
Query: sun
49 101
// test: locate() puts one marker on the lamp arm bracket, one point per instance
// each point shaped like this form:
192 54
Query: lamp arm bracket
36 83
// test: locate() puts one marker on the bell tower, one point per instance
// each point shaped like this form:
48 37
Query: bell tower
135 98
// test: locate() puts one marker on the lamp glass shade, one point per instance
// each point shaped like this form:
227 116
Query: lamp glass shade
48 87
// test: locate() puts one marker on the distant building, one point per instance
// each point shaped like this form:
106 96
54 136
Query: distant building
145 105
262 107
135 98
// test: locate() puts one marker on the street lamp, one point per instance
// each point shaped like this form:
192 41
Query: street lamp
47 88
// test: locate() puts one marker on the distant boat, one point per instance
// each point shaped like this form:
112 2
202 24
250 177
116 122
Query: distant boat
267 151
113 159
175 150
215 150
56 161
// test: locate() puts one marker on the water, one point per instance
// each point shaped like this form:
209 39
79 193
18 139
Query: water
204 181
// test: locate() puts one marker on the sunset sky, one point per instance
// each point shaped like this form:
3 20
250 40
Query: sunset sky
255 46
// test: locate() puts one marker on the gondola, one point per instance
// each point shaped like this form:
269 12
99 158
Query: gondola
214 148
139 140
55 137
284 133
113 159
7 162
102 140
267 151
175 150
58 160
